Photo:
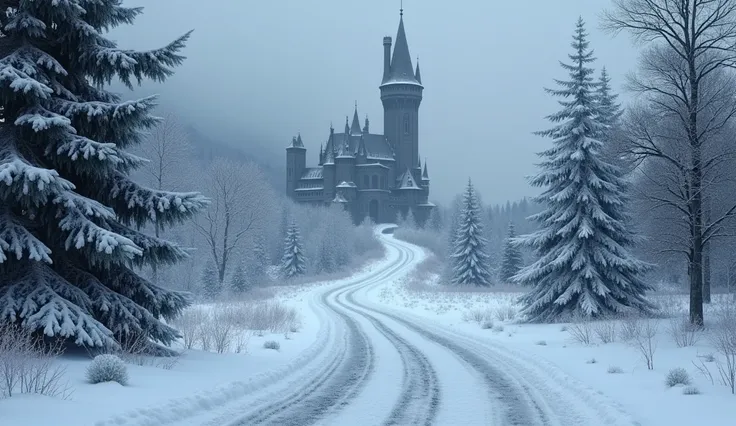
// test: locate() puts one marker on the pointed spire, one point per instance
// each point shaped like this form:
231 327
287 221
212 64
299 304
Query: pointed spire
362 152
347 128
299 139
321 155
401 67
417 74
355 125
425 174
296 142
366 129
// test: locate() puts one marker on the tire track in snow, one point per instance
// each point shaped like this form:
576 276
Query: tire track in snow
420 395
338 383
520 407
539 393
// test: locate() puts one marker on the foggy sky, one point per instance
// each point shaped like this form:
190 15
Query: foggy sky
259 72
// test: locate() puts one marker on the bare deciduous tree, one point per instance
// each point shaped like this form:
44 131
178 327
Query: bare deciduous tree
167 151
240 203
691 41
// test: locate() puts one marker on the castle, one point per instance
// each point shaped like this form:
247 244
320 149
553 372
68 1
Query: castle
371 175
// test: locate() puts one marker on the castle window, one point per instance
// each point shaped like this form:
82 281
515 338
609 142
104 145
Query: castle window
366 182
374 182
383 182
407 126
290 171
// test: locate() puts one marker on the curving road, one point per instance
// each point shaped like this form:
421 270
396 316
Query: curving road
371 365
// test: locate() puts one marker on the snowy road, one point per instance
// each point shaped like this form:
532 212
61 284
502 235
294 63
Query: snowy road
371 365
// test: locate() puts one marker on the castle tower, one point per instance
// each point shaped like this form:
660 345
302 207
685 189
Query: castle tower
296 163
401 95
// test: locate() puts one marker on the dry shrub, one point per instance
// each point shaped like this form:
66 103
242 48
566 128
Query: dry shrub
27 364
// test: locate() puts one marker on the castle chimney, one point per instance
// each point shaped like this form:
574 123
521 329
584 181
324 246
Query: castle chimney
386 57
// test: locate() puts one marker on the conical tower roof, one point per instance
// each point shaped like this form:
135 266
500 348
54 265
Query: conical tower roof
401 68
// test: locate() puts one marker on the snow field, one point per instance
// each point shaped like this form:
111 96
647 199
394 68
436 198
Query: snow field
639 391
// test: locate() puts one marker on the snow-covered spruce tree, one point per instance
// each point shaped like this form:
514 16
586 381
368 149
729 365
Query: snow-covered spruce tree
512 261
469 257
409 221
240 282
584 264
211 286
259 261
293 263
69 211
609 114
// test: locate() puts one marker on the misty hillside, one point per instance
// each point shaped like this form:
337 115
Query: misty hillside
205 149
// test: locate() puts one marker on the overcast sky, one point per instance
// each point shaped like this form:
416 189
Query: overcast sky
263 71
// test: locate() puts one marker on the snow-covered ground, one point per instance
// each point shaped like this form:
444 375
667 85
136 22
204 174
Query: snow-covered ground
490 316
371 351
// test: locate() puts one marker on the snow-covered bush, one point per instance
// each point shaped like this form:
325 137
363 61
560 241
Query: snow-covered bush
189 324
631 328
479 315
222 329
723 338
541 343
690 390
27 364
683 332
107 368
614 369
605 330
677 376
506 312
646 340
581 330
487 324
271 344
591 361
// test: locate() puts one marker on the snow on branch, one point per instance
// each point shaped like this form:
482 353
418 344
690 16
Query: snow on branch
105 62
16 239
29 185
40 119
94 157
119 313
112 117
160 302
22 81
101 245
42 300
156 251
136 204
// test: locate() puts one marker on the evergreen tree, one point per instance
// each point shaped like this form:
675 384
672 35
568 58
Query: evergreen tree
584 264
211 286
240 282
435 223
512 260
469 257
259 261
609 112
293 263
70 214
409 220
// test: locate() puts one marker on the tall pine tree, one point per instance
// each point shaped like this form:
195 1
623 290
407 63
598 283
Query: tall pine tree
609 114
70 214
293 263
240 282
584 264
469 257
512 260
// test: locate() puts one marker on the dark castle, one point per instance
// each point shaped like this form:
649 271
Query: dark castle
380 176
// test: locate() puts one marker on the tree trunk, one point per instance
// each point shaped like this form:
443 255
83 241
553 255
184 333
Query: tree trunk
706 258
696 203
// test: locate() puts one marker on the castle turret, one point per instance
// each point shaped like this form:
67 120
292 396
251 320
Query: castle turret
386 58
296 163
328 167
401 95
